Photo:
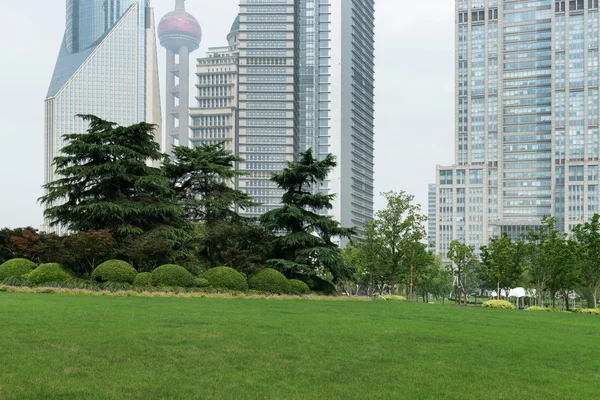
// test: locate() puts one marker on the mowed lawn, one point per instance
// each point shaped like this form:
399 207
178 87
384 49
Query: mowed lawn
83 347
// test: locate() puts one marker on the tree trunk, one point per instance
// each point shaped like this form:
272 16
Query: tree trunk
540 295
393 279
411 283
466 290
371 282
458 291
498 292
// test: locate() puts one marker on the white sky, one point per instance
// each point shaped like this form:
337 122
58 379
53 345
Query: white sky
414 110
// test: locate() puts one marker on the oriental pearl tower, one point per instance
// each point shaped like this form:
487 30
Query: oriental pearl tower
180 33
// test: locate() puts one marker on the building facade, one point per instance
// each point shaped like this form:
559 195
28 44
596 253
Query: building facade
526 120
107 66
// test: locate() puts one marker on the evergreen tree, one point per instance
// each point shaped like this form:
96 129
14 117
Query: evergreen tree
305 241
106 183
203 179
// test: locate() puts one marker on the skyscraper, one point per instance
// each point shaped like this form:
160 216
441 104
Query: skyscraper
180 34
107 66
306 80
526 120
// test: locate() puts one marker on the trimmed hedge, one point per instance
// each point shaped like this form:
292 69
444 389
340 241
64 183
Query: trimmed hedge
49 273
544 309
501 304
270 281
172 275
16 267
114 271
593 311
226 278
202 283
393 297
143 279
298 287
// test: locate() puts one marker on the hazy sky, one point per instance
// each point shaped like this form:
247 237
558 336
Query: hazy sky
414 112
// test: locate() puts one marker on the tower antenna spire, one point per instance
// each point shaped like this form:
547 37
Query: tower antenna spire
180 5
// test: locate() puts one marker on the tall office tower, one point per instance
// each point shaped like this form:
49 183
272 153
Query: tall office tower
107 66
526 120
180 33
215 118
306 80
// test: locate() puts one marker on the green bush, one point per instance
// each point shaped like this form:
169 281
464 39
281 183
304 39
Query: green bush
202 283
593 311
16 267
298 287
116 286
143 279
324 287
49 273
393 297
114 271
544 309
270 281
502 304
172 275
15 281
226 278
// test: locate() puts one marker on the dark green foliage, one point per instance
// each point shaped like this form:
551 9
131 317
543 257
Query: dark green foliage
52 272
298 287
270 281
304 241
321 286
116 286
7 252
202 178
143 279
202 283
114 271
226 278
106 184
16 268
172 275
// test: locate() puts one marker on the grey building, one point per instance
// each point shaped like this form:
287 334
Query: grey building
107 66
526 120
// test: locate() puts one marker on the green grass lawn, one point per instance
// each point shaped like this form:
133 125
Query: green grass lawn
84 347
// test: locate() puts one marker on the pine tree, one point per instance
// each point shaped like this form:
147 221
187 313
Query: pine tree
305 238
106 183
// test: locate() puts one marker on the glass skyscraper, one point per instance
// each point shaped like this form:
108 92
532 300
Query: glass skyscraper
526 120
107 66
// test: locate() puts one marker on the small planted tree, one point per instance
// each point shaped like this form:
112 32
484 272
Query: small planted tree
463 257
503 262
305 238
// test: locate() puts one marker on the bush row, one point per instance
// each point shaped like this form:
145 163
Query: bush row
502 304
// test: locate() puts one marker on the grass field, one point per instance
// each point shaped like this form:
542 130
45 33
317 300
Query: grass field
84 347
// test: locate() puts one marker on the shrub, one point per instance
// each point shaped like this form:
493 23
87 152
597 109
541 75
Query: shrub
202 283
15 281
116 286
593 311
324 287
226 278
502 304
298 287
143 279
49 273
172 275
270 281
544 309
114 271
16 268
393 297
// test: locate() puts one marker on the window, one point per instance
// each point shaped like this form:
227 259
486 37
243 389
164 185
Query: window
575 5
478 16
493 14
592 3
576 174
560 6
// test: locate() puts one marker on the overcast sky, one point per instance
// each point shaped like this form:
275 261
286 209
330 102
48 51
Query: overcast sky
414 112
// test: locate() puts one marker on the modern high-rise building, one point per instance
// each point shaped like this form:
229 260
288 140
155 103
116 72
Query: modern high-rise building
305 80
107 66
527 142
180 33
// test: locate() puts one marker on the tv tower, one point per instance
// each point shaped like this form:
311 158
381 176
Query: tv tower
180 33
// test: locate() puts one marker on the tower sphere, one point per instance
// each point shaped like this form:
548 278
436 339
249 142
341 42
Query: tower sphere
179 29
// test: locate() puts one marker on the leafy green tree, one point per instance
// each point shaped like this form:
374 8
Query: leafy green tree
304 241
586 242
106 182
565 276
546 252
416 257
502 262
203 179
463 256
398 225
435 279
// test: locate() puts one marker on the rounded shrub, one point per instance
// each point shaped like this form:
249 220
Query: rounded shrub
49 273
592 311
114 271
270 281
226 278
502 304
143 279
298 287
16 267
202 283
172 275
321 286
393 297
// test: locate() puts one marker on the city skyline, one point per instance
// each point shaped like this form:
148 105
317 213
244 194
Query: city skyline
394 157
